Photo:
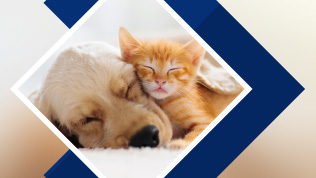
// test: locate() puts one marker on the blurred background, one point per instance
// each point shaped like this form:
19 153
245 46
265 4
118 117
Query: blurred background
286 28
146 20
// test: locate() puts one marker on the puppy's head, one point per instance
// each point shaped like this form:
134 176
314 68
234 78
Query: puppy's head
97 98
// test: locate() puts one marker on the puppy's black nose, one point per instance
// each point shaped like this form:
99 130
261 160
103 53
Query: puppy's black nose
147 137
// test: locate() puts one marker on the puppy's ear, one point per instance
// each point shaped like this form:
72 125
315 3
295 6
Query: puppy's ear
196 52
127 44
41 102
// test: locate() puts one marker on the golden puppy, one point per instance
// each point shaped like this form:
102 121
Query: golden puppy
94 97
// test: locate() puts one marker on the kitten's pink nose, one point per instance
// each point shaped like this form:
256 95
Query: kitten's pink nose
160 82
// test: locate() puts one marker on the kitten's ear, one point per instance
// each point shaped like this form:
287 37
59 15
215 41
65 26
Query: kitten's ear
196 51
127 43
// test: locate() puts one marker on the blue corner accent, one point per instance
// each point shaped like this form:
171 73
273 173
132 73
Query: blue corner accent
69 11
193 12
273 89
58 163
69 165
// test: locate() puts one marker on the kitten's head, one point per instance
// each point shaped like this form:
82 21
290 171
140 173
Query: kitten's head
164 67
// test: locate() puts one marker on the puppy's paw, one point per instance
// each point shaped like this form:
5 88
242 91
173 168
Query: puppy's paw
119 87
134 91
178 144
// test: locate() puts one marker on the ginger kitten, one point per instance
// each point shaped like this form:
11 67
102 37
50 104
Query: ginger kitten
167 71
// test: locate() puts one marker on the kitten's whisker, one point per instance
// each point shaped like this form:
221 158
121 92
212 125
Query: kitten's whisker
201 92
188 96
185 95
193 96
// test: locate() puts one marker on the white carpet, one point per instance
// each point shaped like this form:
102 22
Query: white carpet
131 163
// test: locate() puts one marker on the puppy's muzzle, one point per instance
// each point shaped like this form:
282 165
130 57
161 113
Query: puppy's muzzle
147 137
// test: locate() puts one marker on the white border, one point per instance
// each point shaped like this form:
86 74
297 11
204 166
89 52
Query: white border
56 46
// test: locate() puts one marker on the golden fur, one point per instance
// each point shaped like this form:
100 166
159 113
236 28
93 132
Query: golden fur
92 95
167 71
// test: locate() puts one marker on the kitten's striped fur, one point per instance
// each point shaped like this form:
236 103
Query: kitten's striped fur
167 72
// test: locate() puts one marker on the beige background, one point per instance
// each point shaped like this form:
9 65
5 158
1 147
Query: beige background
286 28
28 148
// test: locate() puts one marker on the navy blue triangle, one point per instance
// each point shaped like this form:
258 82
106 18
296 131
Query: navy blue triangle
69 165
69 11
273 89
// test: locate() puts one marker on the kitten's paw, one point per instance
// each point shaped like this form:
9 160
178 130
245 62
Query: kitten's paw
178 144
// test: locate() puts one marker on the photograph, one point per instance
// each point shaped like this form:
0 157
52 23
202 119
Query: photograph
131 79
158 88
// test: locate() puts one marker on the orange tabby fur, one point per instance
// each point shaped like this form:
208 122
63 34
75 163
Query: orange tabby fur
167 71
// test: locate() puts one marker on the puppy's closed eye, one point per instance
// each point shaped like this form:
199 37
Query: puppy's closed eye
88 124
90 119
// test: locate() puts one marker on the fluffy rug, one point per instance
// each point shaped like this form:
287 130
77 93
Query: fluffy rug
133 162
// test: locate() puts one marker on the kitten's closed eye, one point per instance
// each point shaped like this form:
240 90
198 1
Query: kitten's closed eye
148 67
173 69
